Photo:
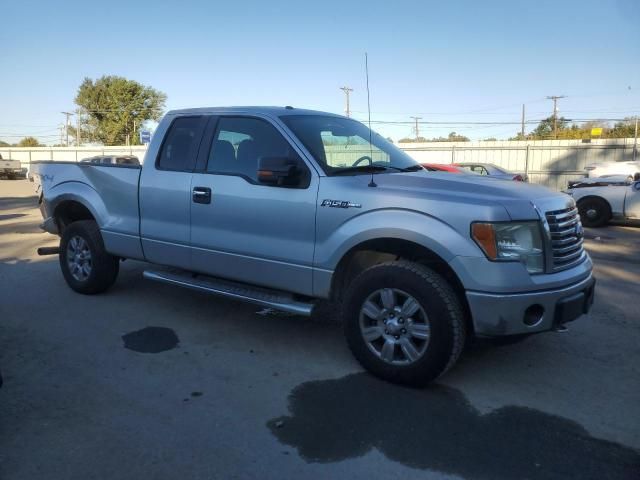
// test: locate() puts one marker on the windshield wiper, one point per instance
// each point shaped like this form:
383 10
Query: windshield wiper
361 168
376 168
412 168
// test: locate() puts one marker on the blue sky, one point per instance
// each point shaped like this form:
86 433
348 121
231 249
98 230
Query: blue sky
446 61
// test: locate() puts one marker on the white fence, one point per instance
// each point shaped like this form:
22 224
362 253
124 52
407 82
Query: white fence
548 162
70 154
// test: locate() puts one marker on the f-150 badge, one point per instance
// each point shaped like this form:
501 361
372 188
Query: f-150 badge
339 204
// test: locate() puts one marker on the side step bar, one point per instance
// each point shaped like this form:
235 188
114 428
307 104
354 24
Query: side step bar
247 293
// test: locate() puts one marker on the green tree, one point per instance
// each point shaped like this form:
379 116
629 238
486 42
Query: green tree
4 144
545 130
413 140
113 107
455 137
624 129
29 142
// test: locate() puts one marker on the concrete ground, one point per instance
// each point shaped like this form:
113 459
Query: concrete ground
237 393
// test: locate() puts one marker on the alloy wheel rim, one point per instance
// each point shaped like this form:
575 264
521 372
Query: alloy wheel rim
394 326
79 258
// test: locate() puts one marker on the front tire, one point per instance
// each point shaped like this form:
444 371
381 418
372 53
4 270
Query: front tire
85 264
594 212
403 322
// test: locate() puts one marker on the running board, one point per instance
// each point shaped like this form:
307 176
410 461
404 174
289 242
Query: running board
239 291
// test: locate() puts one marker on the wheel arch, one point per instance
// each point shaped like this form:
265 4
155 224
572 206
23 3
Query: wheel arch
73 201
379 250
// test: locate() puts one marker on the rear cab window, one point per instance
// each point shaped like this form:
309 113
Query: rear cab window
181 143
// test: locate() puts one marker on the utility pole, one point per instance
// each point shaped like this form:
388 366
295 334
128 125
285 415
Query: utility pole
522 123
78 122
417 128
635 141
66 123
555 99
347 91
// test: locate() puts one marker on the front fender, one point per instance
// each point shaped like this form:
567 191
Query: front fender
415 227
429 232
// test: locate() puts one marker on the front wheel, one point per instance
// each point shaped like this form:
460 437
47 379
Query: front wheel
594 212
403 322
85 264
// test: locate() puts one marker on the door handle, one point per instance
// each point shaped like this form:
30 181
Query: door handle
201 195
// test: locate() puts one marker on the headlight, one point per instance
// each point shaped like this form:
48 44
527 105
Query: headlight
511 242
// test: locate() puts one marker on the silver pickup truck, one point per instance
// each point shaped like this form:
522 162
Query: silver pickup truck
285 208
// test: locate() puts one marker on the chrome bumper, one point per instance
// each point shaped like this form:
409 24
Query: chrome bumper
505 314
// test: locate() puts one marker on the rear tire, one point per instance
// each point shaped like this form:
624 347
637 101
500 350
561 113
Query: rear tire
413 309
85 264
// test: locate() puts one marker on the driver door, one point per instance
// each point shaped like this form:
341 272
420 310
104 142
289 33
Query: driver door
245 230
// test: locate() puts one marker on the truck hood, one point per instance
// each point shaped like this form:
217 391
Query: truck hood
517 198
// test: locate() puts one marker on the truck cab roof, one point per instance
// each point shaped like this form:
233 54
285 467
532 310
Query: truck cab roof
272 111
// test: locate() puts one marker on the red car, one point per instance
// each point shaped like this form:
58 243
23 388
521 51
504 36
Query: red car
441 167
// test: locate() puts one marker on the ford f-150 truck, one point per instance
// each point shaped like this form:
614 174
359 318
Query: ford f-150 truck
286 208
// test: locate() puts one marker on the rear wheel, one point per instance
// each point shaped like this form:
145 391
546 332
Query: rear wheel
403 322
85 264
594 212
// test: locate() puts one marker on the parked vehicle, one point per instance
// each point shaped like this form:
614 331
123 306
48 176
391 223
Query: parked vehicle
113 160
602 169
441 167
602 181
601 203
256 204
493 171
10 168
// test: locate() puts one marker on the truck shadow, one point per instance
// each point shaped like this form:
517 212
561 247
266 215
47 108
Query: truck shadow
17 203
438 429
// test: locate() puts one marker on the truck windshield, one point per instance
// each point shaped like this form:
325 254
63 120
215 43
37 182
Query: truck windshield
341 146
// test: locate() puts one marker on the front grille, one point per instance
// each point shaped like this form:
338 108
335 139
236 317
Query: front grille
566 238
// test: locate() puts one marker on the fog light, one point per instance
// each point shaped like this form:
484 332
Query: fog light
533 315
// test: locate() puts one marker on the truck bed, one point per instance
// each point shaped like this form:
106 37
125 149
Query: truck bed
110 192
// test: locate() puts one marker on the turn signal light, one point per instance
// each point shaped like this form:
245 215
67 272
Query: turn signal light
485 237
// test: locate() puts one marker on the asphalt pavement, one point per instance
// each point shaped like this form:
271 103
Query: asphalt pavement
157 382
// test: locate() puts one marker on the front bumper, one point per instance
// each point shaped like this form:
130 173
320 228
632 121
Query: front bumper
520 313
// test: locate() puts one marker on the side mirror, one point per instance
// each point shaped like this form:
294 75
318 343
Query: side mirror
279 171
